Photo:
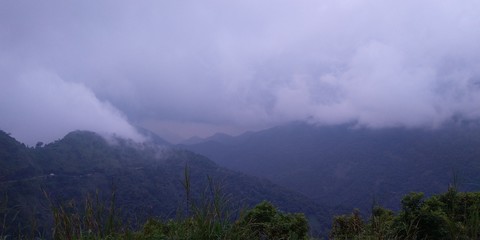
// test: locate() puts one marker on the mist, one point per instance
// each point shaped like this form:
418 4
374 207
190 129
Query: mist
184 68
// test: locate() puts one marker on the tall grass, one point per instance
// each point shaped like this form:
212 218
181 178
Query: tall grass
9 215
207 215
95 219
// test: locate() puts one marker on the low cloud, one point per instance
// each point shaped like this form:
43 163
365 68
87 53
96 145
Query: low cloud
40 106
383 86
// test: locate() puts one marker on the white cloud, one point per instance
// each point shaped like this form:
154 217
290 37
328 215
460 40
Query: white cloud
40 106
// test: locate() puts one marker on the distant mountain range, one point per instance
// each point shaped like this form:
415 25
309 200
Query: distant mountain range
339 167
348 167
147 178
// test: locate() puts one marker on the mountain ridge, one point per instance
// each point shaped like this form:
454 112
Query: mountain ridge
350 166
147 178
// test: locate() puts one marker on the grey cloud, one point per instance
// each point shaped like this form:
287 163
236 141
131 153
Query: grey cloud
237 65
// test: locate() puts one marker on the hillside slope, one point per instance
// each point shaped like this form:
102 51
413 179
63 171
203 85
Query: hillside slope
341 165
147 179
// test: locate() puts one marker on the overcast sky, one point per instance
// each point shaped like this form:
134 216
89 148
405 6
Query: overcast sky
182 68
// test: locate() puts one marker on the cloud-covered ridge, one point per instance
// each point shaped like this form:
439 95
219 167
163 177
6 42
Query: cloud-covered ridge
237 65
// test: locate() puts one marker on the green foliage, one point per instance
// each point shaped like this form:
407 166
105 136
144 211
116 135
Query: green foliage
347 226
380 223
209 218
451 215
266 222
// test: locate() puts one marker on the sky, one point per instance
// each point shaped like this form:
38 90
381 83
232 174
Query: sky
193 68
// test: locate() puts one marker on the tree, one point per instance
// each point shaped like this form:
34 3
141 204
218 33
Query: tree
268 223
347 226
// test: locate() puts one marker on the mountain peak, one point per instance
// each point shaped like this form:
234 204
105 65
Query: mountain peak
219 137
82 137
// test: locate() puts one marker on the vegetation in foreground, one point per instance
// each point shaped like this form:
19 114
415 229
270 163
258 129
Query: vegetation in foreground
263 221
451 215
205 218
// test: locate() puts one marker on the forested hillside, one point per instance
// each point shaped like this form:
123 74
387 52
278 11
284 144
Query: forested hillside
353 167
148 180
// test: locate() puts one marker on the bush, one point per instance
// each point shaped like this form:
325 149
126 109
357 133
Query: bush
266 222
451 215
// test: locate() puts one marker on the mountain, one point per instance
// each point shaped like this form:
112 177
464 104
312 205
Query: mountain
351 167
152 137
217 137
146 178
192 140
